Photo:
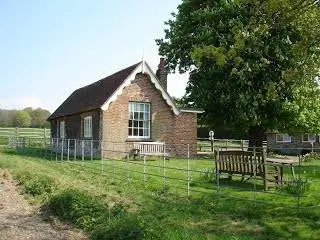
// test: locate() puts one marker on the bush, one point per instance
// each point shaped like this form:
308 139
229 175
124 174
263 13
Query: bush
83 210
127 227
296 186
311 157
35 184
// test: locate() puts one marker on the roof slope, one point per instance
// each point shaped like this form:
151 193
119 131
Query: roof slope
92 96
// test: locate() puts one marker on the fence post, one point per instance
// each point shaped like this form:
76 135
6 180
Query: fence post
44 137
68 149
82 151
254 175
217 174
164 165
62 143
144 169
128 158
242 147
91 148
299 186
188 170
102 167
57 145
52 142
75 149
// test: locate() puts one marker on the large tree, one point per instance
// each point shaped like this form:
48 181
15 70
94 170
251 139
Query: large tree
22 119
252 63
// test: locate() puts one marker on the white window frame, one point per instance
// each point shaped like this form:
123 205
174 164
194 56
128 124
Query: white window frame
309 137
62 128
139 114
285 138
87 127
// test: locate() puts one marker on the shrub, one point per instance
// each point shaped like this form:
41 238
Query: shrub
296 186
23 177
83 210
311 156
36 184
39 185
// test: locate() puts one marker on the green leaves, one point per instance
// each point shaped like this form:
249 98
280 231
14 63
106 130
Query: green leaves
248 60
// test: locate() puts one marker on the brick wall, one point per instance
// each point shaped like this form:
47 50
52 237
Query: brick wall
176 131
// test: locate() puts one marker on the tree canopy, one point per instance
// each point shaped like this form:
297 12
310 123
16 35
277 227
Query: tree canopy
22 119
253 63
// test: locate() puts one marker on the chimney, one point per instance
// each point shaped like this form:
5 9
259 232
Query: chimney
162 73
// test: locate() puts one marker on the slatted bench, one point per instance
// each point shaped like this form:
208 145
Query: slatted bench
245 163
150 149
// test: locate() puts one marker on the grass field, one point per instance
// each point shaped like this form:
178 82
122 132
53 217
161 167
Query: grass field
233 212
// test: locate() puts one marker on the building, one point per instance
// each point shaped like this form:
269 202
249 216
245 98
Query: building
292 144
131 105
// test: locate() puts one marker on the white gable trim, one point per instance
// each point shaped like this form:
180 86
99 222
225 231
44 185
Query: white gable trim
145 67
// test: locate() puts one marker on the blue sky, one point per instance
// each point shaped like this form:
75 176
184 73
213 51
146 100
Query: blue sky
50 48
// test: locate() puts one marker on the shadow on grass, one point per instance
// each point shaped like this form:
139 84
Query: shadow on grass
227 218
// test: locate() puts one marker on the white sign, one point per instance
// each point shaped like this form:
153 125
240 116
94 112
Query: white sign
211 135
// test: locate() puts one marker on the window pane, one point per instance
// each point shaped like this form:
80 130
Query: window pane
136 116
135 123
147 107
140 124
141 115
130 123
145 132
135 132
130 131
141 132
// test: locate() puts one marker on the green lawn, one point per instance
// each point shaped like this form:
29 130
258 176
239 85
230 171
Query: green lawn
234 211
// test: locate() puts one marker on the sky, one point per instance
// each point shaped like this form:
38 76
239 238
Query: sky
50 48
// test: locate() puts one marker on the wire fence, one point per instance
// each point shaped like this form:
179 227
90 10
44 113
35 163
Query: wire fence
293 181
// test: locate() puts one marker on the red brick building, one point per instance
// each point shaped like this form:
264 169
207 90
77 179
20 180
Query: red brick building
129 106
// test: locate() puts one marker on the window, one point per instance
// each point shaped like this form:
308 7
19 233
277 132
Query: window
283 138
62 129
308 137
87 127
139 120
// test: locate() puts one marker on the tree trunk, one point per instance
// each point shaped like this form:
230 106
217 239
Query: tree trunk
256 138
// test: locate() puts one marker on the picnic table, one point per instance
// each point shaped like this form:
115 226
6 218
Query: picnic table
280 163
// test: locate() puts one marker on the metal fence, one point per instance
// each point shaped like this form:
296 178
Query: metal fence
188 175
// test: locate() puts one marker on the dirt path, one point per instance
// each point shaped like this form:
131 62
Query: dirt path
18 220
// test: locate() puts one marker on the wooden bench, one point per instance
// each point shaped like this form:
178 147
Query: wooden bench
150 149
245 163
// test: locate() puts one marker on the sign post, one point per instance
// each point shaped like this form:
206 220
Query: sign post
211 138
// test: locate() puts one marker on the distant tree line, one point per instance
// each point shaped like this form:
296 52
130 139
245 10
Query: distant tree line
27 117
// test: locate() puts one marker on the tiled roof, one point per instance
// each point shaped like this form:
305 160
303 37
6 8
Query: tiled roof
94 95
